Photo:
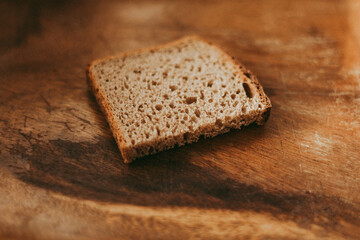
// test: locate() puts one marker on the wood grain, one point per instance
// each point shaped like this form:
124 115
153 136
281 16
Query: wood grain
296 177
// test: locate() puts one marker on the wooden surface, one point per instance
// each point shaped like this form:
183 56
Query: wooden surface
297 177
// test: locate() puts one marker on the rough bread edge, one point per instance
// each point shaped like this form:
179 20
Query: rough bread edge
130 153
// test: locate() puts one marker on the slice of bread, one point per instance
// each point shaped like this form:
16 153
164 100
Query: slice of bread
157 98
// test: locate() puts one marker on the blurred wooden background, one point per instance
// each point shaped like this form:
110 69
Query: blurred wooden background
297 177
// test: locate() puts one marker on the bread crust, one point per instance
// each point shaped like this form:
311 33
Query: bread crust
129 153
104 105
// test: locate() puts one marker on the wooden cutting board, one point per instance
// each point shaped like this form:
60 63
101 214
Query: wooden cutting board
297 177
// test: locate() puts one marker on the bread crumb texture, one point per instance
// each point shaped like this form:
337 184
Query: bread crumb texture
155 99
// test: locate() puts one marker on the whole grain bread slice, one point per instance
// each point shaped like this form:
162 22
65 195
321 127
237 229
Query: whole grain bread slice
160 97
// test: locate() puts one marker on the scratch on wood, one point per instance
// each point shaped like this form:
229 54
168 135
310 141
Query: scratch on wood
282 148
27 137
281 144
80 118
293 131
26 118
283 80
48 106
67 126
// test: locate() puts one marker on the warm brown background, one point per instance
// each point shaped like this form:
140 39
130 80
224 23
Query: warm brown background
62 176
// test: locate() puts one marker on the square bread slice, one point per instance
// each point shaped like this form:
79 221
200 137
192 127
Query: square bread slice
160 97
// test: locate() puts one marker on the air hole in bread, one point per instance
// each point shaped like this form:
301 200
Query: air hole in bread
197 112
173 87
210 83
248 75
190 100
247 90
172 105
158 107
233 96
166 96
